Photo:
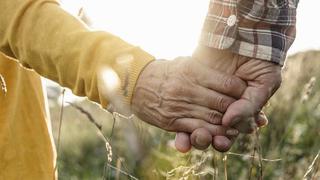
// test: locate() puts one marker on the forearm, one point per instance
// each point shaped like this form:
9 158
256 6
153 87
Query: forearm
58 46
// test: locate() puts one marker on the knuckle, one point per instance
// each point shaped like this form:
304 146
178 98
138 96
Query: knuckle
222 104
228 83
214 117
233 86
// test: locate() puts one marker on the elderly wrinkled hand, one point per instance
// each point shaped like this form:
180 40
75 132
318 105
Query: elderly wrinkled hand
263 79
183 95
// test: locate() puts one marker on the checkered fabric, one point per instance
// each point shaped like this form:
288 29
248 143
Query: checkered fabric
261 29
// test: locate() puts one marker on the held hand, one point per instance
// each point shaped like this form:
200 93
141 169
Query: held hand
179 96
263 79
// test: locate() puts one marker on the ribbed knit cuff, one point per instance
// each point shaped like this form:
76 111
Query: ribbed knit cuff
128 67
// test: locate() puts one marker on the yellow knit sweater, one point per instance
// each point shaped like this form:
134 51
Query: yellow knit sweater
38 38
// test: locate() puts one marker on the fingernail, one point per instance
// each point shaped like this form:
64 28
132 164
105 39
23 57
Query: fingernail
199 141
232 132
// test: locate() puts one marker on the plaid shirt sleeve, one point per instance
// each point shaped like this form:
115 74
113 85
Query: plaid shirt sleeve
262 29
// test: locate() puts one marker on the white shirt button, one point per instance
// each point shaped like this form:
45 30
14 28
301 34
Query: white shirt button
232 20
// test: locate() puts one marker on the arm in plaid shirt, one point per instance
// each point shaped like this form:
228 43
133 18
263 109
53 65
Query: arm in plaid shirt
260 29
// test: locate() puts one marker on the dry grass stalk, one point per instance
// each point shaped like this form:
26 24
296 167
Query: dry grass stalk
105 139
258 145
252 162
256 149
188 171
250 156
115 115
60 126
225 157
308 89
119 162
108 146
60 120
121 171
214 166
313 168
3 85
89 116
99 127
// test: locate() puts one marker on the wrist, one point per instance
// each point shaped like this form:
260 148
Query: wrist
150 79
221 60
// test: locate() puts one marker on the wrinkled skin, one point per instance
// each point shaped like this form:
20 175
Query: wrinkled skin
263 79
181 96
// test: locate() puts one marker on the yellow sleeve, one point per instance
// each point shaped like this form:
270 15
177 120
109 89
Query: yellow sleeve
43 37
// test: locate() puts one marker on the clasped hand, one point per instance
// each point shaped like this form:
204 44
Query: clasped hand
207 98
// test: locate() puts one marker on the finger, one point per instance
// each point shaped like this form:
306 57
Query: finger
226 84
188 125
237 111
182 142
184 109
202 96
249 125
211 99
260 88
201 138
246 126
206 114
221 143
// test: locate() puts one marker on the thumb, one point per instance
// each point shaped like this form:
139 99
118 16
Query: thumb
263 79
248 107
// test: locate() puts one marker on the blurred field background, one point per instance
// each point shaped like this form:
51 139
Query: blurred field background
290 142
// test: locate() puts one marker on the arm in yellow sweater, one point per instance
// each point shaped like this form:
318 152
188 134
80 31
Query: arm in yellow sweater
43 37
